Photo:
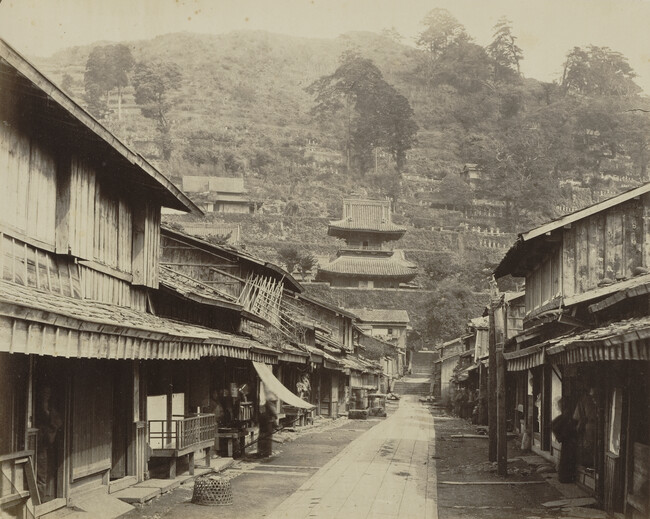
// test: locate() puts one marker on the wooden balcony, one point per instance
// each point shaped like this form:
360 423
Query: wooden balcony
183 437
178 437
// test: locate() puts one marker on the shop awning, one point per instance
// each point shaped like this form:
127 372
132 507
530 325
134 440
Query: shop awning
527 358
622 340
273 384
42 323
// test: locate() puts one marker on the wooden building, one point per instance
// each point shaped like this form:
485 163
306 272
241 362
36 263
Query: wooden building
390 325
79 248
584 339
220 194
367 261
312 337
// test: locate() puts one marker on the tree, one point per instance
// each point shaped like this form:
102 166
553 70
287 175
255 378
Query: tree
290 256
307 262
67 82
107 69
598 71
373 114
455 191
154 83
505 52
451 305
441 31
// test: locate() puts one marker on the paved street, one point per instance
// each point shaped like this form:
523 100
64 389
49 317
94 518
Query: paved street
389 472
402 466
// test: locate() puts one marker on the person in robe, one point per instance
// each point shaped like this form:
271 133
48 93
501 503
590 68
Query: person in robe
268 421
565 431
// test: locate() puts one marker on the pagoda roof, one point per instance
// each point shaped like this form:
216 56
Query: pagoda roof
393 266
366 215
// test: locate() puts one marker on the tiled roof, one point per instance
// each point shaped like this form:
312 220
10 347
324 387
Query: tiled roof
367 215
192 288
387 266
380 315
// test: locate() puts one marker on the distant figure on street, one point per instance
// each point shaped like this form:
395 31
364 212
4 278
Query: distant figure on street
268 419
564 429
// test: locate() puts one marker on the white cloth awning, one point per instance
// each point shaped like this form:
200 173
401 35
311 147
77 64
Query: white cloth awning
273 384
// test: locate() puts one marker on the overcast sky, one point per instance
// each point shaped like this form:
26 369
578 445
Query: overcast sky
547 29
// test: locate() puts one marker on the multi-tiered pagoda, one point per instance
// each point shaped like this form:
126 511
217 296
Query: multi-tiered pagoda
368 260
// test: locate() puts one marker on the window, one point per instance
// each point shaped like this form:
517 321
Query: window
390 331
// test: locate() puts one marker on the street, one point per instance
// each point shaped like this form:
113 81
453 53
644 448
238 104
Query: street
410 464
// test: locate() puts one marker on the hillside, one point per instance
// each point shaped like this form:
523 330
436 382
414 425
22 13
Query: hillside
535 150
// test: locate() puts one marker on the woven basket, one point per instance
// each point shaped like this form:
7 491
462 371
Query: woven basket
212 491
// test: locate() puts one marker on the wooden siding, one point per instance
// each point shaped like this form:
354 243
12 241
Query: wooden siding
91 420
99 225
222 273
81 209
27 175
27 265
107 289
146 245
605 247
543 284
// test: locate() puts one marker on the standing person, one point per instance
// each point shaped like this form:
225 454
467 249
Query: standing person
586 417
216 409
268 418
564 429
48 422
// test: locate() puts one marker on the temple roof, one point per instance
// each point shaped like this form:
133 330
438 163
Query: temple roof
394 266
366 215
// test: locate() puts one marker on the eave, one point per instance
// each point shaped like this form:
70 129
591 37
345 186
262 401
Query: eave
74 117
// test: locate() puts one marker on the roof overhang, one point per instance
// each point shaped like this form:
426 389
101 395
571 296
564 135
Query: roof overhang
64 120
232 253
514 262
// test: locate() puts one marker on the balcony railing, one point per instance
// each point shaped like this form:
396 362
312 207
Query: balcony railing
182 434
15 472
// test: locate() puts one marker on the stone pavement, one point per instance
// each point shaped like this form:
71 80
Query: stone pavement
388 472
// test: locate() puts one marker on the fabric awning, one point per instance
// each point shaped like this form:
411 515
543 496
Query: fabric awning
273 384
527 358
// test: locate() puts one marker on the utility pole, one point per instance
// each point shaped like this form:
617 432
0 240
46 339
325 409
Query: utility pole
502 437
492 387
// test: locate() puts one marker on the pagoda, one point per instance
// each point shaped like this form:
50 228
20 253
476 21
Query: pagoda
368 260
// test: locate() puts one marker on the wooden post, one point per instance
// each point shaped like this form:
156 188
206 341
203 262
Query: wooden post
502 445
492 384
482 394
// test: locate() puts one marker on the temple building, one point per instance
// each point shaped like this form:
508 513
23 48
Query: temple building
368 260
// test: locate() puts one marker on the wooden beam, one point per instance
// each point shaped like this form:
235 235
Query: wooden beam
492 383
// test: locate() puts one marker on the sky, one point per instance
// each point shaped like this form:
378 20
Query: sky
546 29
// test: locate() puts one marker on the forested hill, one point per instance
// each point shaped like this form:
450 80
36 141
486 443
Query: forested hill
240 108
494 153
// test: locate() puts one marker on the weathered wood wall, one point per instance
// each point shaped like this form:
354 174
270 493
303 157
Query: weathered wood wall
213 269
606 247
61 204
30 266
28 180
91 420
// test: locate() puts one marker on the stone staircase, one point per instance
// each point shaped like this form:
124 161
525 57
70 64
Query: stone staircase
413 385
422 362
419 381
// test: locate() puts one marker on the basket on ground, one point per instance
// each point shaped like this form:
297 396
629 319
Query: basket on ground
212 490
